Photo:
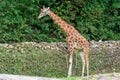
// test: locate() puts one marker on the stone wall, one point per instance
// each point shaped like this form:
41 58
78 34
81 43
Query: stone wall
104 56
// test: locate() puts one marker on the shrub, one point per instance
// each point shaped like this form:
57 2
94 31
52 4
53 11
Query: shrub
94 19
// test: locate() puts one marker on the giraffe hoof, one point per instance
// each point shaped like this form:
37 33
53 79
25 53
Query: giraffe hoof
68 76
82 76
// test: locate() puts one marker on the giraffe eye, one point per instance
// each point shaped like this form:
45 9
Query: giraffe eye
44 12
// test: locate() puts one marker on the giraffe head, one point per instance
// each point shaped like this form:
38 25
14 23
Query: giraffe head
44 12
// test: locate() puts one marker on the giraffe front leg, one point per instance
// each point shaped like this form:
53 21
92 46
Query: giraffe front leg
83 63
67 64
70 63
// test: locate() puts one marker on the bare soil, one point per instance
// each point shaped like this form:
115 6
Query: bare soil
110 76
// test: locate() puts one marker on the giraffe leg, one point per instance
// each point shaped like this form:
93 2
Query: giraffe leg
87 64
70 65
83 63
87 68
86 50
67 60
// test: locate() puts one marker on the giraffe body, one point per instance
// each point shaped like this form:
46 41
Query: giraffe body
73 39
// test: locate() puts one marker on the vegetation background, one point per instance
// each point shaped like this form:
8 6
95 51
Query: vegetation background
95 19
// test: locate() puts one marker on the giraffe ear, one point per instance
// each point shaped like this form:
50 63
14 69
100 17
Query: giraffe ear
48 8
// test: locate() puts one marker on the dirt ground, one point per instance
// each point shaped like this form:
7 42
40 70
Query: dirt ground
111 76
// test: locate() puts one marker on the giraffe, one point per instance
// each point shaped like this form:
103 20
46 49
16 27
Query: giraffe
73 39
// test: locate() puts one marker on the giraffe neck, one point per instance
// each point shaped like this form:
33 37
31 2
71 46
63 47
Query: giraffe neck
61 23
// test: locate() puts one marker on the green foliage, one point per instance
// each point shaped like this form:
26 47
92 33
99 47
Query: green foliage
96 20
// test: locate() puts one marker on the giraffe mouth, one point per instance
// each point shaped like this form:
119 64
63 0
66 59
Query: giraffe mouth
39 17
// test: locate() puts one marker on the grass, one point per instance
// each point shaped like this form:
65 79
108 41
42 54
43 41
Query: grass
36 60
40 62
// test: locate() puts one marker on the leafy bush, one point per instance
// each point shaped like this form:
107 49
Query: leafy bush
94 19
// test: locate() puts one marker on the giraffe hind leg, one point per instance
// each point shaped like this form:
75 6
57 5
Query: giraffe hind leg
86 60
87 67
87 64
